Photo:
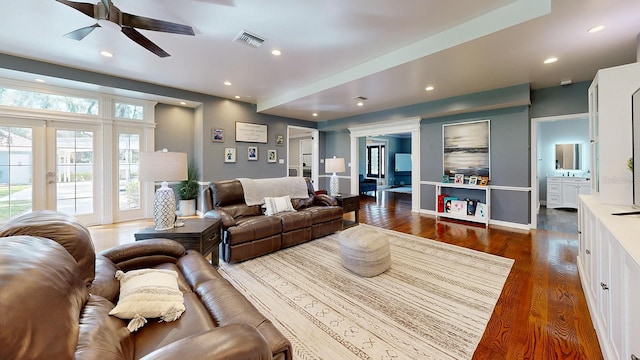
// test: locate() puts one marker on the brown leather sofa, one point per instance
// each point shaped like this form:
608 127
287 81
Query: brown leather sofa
248 233
56 294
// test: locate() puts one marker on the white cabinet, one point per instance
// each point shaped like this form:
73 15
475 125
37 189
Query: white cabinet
562 192
608 264
609 132
479 193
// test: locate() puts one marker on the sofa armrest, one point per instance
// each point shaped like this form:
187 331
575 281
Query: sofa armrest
238 341
226 219
144 253
325 200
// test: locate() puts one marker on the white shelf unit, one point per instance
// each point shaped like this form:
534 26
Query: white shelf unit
484 195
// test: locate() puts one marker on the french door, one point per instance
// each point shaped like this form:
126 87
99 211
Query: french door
74 163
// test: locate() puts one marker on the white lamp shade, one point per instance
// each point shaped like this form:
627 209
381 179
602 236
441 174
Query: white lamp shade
163 166
334 165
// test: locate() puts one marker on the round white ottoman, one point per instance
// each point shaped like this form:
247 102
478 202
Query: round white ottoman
364 251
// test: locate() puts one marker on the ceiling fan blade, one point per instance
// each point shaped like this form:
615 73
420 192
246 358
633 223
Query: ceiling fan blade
134 35
85 8
82 32
107 6
141 22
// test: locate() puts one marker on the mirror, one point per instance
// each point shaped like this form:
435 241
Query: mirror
568 156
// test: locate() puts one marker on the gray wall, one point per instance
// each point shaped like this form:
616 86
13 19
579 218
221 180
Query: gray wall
173 125
560 100
509 160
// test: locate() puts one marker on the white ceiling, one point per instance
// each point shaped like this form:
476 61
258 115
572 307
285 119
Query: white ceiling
335 50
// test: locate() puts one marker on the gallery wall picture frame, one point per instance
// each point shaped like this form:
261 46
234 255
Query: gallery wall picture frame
230 155
251 133
217 134
466 148
279 140
272 156
252 153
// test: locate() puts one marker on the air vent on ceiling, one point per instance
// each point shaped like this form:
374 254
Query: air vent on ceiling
361 98
249 39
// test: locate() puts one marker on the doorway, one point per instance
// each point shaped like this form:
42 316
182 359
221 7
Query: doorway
566 129
408 126
302 152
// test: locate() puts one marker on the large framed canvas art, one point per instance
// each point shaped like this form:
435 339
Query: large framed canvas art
466 148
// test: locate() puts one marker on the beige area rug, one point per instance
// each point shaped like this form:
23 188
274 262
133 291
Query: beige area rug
434 302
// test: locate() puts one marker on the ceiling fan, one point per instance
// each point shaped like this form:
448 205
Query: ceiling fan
105 10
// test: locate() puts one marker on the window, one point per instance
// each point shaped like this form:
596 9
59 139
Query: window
129 111
376 164
43 101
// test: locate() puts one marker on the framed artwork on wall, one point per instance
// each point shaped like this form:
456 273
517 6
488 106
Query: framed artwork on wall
466 148
217 134
230 155
272 156
253 133
252 153
279 140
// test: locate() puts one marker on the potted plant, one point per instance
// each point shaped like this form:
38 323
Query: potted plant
188 191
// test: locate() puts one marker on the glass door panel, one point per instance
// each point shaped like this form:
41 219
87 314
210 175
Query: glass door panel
74 171
128 177
16 171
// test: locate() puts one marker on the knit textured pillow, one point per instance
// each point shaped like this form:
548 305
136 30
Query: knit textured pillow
275 205
148 293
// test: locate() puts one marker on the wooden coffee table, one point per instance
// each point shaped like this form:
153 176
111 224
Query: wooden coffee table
200 234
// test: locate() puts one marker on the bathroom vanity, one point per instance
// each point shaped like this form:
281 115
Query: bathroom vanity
563 191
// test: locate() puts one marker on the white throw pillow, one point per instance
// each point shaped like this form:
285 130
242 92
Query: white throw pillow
275 205
148 293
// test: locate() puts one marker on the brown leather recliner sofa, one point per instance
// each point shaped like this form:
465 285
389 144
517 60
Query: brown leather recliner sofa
56 294
248 233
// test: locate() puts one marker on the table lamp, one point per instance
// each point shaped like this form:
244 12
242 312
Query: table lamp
163 166
334 165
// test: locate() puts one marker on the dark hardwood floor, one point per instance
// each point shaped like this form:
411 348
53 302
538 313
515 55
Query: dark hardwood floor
542 312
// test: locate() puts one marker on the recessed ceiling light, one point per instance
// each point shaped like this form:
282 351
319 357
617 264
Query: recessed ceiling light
595 29
228 83
314 114
237 96
183 103
106 54
429 88
39 80
276 52
550 60
360 103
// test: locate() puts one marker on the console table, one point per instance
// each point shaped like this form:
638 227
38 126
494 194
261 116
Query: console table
202 235
349 203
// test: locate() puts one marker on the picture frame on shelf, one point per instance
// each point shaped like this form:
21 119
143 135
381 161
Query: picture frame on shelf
252 153
279 140
217 134
484 180
445 179
230 155
473 180
272 156
459 179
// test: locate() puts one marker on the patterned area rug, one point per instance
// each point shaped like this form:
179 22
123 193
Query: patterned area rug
434 302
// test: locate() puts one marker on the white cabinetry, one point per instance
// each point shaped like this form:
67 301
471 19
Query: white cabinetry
608 263
609 132
479 193
562 192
